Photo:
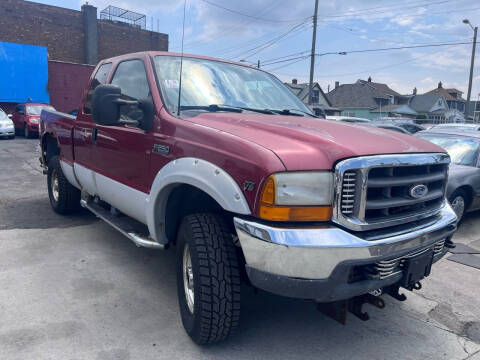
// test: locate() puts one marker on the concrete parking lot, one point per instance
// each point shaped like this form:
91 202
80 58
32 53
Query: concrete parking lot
73 288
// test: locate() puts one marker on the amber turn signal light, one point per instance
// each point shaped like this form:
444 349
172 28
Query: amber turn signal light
295 213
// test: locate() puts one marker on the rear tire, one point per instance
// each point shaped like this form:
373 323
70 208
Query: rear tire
26 132
208 280
64 197
459 201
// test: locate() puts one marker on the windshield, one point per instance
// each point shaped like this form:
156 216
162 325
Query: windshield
463 151
37 109
209 82
3 116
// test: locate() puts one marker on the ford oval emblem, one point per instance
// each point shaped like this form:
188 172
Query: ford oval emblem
418 191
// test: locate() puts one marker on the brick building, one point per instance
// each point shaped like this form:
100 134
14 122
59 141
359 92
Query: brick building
71 35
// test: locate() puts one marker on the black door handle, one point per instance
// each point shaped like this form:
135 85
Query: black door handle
94 135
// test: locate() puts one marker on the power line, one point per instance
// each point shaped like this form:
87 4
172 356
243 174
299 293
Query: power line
265 62
363 12
300 58
267 44
247 15
397 48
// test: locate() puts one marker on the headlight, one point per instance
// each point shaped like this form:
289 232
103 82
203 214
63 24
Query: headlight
297 196
34 121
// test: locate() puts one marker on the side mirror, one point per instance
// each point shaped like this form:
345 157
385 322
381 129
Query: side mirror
106 103
105 108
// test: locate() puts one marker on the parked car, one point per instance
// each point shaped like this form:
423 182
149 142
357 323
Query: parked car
26 118
6 126
245 184
349 119
391 127
463 190
457 126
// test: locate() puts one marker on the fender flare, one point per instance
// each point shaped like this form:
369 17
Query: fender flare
199 173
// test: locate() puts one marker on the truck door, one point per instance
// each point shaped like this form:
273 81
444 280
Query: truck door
122 153
83 133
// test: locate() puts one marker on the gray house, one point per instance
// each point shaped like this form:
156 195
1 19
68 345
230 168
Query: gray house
320 103
367 99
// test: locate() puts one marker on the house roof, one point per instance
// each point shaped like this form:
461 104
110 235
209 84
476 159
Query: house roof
301 90
397 109
446 93
424 102
360 94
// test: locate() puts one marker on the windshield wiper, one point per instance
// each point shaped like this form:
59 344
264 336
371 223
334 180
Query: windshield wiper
289 112
211 108
224 107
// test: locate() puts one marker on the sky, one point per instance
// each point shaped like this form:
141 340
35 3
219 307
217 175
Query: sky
279 34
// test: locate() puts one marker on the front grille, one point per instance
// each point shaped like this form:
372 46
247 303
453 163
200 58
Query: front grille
375 192
388 190
348 192
385 268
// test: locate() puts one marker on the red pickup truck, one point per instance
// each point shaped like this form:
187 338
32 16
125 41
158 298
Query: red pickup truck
247 185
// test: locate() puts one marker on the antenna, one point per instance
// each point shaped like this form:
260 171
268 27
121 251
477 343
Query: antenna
181 60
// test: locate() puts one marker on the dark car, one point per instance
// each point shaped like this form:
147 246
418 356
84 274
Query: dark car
408 126
463 190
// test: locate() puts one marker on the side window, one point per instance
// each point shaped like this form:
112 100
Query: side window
100 78
21 109
131 77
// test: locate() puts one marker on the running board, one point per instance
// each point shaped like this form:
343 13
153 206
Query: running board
122 225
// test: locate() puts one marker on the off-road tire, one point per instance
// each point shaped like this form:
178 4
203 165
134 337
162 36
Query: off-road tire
68 199
216 277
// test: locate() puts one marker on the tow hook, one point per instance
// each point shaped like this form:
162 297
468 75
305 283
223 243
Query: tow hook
338 310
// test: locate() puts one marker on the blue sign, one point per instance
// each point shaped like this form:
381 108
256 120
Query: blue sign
23 73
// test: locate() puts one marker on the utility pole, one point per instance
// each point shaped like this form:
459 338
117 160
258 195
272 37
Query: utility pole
472 61
312 56
258 64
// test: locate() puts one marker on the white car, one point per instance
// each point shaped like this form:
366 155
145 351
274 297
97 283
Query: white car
6 126
457 126
350 119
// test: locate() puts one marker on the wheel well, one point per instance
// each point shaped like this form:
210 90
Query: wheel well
50 147
184 200
469 192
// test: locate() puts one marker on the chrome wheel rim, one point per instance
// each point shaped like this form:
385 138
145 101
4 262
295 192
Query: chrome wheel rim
458 205
188 278
54 184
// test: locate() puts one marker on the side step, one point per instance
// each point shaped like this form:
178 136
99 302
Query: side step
122 224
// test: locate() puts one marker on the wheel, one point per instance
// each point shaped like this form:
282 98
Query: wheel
11 137
458 201
64 197
26 132
208 280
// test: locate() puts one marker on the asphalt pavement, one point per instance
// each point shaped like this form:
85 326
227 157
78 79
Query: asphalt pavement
73 288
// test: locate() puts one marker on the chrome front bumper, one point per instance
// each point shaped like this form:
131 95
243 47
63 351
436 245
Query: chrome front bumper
314 253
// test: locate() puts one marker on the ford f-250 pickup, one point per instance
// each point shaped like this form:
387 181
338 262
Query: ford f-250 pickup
247 185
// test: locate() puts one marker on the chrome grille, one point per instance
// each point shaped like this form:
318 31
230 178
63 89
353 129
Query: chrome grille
385 268
388 190
376 191
348 192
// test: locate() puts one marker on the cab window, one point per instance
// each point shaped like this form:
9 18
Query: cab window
100 78
131 77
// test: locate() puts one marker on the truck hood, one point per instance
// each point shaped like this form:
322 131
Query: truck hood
310 143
